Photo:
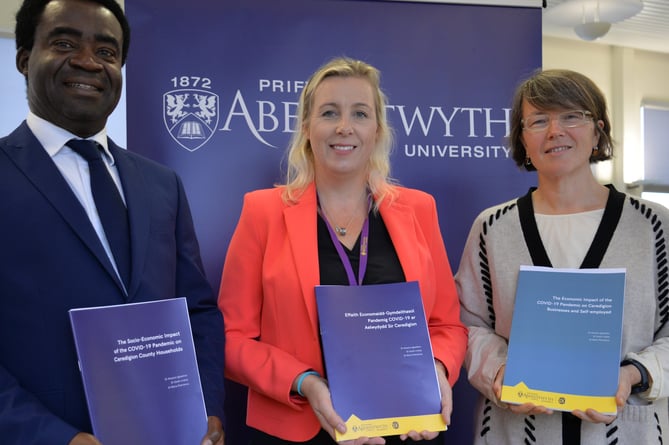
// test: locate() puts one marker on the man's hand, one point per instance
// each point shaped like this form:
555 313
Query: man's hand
215 434
84 439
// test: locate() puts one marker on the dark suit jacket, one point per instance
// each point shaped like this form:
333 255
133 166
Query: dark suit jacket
267 297
51 260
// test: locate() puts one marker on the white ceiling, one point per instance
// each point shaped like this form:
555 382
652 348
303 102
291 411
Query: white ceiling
649 30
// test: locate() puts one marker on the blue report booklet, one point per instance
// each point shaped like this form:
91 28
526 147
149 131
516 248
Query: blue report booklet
566 332
140 373
378 359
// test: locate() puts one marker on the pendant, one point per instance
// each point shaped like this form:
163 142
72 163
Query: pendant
341 231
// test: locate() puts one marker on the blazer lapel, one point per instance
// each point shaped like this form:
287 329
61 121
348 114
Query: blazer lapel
30 157
300 220
138 203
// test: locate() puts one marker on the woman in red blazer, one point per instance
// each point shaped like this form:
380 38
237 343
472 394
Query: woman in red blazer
308 232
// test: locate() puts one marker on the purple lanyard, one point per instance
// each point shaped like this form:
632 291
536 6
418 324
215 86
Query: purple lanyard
364 236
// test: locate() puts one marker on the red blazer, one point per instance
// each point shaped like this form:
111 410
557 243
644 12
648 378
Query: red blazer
269 305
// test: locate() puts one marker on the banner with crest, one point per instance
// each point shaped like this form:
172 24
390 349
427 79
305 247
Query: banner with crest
212 90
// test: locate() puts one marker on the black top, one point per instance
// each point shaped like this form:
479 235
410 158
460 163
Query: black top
383 265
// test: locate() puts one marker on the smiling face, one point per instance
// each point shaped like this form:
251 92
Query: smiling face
73 71
558 151
342 127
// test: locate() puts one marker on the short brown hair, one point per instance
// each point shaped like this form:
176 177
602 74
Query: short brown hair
558 89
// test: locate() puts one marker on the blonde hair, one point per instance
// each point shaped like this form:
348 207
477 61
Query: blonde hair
300 157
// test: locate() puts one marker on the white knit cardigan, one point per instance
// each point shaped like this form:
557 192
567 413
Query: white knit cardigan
486 280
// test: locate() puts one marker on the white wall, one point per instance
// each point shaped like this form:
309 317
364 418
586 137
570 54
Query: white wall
15 106
12 90
628 77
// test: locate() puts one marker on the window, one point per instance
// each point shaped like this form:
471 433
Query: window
655 134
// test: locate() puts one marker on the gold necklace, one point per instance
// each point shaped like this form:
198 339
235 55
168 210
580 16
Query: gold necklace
340 230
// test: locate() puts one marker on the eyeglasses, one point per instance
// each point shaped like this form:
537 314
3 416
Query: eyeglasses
567 119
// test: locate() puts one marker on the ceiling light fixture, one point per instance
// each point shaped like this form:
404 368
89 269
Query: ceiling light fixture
592 19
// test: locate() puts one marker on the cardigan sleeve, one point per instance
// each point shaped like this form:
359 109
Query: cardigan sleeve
486 349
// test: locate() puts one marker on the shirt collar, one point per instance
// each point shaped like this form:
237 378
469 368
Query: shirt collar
53 138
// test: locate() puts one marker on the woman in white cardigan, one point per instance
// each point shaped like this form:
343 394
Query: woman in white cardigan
559 126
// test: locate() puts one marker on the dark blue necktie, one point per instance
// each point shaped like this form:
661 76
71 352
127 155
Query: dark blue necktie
108 201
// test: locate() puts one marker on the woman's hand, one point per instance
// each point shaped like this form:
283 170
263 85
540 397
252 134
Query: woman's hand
316 391
629 376
593 416
497 386
525 408
446 405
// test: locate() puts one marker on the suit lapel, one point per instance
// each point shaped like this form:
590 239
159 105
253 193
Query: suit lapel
300 220
138 203
30 157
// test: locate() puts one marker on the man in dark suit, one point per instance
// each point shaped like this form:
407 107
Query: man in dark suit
54 252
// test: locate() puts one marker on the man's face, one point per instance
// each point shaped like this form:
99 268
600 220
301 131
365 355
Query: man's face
73 71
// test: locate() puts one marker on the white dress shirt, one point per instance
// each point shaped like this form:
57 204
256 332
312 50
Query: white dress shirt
74 168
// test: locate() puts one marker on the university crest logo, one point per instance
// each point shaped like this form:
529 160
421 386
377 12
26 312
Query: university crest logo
191 116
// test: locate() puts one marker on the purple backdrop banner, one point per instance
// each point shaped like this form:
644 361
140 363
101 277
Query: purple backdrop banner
212 91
